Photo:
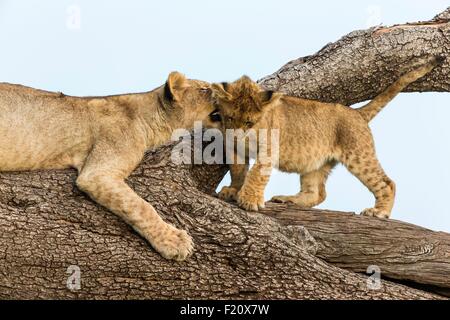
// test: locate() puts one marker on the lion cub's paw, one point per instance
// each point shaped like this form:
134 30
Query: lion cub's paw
302 200
174 244
284 199
228 193
373 212
250 202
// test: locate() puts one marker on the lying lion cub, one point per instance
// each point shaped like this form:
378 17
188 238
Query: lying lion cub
313 137
104 138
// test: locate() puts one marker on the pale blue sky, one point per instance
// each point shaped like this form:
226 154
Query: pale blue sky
129 46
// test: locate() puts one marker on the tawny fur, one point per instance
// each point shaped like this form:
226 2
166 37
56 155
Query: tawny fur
314 137
104 138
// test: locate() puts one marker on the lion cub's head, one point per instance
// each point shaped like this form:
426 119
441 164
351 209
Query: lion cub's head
242 103
186 101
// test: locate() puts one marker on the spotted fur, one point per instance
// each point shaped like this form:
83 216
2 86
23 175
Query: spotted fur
314 137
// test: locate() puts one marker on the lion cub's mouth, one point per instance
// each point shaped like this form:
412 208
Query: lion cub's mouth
215 116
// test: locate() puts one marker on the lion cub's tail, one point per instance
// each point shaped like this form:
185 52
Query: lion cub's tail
370 110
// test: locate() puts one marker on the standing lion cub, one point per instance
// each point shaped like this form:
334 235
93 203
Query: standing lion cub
104 138
313 137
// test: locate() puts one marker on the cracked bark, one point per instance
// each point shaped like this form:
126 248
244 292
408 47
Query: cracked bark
47 224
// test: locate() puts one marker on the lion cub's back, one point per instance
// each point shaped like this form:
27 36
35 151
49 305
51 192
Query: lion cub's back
39 129
310 120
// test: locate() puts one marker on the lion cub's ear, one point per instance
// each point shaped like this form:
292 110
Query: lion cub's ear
268 97
175 85
220 91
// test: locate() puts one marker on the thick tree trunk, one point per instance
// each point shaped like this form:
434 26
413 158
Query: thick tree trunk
48 225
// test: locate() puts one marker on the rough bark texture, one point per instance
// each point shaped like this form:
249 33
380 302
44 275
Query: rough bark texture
361 64
404 252
47 224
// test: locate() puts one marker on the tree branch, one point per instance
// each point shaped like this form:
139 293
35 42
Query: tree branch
47 224
402 250
361 64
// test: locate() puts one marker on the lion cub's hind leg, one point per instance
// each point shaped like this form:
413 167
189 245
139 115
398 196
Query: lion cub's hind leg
364 164
312 191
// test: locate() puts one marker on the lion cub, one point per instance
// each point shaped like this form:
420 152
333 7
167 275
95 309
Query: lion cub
104 138
313 137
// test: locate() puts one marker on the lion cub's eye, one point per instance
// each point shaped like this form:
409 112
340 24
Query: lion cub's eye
215 116
249 124
205 90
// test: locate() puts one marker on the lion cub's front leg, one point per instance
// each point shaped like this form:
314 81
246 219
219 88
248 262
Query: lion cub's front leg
251 195
103 180
238 173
